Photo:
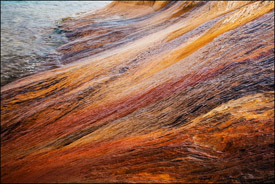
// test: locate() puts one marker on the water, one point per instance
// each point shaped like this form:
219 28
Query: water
29 34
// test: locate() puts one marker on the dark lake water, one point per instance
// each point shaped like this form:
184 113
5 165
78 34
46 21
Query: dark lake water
29 34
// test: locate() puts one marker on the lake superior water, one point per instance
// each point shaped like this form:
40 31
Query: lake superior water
29 34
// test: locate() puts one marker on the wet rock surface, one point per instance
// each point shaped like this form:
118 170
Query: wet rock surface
157 92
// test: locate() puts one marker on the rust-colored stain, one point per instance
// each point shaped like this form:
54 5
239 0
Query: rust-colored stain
170 91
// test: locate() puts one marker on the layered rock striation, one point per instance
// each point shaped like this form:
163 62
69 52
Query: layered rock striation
152 91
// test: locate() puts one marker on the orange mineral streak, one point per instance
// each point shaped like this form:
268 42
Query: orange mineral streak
151 91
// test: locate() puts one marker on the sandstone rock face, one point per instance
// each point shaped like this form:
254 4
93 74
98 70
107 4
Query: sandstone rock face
153 92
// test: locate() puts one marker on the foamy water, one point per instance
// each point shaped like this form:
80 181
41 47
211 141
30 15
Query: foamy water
30 34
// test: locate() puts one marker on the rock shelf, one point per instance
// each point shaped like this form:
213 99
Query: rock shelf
152 91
